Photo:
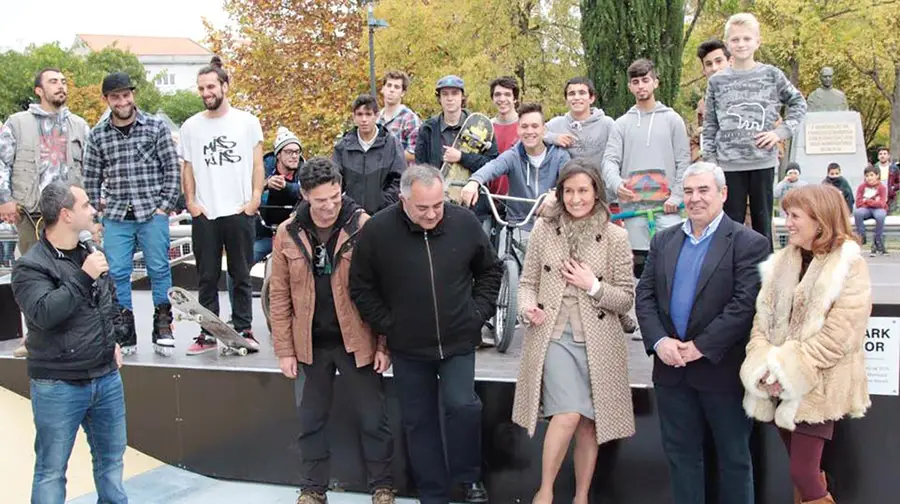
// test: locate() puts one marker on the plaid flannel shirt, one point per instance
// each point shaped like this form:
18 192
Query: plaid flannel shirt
140 169
405 126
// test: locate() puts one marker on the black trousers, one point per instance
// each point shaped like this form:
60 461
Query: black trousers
314 389
684 413
759 186
425 388
234 233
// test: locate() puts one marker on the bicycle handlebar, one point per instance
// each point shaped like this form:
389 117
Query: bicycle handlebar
535 203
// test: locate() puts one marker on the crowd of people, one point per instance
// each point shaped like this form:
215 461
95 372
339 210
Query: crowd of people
373 268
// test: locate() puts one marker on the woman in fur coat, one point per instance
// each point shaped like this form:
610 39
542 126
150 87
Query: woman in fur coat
576 284
804 367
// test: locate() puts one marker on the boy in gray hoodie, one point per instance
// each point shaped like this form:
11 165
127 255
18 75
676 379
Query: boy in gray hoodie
740 131
649 137
584 130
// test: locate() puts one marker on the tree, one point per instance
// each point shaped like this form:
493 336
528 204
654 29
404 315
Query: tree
479 40
181 105
617 32
296 63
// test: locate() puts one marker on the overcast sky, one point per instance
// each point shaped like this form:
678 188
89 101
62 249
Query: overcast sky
23 23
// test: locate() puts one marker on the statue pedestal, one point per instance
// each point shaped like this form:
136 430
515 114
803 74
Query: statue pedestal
830 137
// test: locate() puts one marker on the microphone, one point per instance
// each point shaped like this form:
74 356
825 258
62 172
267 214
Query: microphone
87 239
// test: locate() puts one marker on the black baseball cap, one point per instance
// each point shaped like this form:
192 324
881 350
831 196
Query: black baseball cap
116 81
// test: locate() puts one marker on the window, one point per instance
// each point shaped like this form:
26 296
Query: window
165 79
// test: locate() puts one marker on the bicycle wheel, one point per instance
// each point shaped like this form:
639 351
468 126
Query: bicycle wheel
505 318
264 294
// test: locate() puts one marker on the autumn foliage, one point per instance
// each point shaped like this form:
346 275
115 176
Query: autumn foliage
295 63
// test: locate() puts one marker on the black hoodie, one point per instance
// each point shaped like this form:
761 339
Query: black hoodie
372 177
326 331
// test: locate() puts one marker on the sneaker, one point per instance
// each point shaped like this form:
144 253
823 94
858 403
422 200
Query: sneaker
874 251
20 352
163 340
248 335
202 344
309 497
476 493
383 496
127 334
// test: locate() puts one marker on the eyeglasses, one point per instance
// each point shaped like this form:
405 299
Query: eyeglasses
292 153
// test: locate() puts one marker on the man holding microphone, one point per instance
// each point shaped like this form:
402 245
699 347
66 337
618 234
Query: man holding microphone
72 317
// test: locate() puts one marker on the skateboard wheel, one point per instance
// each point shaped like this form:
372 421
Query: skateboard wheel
198 318
242 352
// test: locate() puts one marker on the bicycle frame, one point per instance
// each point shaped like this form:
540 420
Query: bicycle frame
649 213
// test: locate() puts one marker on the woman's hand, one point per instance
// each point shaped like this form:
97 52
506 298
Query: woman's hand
578 274
535 316
770 385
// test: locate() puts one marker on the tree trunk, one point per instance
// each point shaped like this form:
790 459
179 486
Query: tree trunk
617 32
895 114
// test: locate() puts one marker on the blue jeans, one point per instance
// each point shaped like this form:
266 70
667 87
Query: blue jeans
119 240
684 413
422 396
59 408
860 215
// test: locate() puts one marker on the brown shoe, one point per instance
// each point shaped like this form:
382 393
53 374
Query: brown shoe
383 496
20 352
828 499
308 497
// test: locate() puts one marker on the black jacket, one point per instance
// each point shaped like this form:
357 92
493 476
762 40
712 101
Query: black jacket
429 292
71 318
371 178
723 310
846 191
430 147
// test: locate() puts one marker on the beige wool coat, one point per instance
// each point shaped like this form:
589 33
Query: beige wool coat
609 257
809 336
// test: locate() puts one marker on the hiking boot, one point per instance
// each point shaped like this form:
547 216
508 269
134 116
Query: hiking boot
383 496
248 336
202 344
163 339
127 334
310 497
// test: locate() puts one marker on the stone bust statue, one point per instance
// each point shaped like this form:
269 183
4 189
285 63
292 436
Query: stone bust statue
826 98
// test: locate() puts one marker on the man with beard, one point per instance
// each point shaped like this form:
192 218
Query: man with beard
223 184
133 155
38 146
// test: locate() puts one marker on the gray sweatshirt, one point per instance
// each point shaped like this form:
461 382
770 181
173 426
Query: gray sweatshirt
741 104
591 134
646 141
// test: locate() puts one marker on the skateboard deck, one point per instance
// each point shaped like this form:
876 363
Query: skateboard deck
650 186
191 309
475 136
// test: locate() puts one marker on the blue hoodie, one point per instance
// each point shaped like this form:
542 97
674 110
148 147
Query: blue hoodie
525 181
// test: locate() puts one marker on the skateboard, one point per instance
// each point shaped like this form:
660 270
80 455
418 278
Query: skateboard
652 190
190 309
476 135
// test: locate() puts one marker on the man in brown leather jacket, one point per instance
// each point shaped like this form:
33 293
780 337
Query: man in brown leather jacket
315 323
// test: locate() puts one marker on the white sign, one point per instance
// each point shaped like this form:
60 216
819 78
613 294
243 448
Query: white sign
830 138
882 349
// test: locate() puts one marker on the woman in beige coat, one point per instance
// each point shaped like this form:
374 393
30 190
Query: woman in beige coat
804 367
577 282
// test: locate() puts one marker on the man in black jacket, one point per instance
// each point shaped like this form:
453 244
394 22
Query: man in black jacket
695 304
425 275
73 354
370 158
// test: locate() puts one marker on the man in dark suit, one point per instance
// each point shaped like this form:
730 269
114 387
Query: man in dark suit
695 304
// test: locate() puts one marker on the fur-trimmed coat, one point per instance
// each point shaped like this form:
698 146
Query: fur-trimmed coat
609 257
809 336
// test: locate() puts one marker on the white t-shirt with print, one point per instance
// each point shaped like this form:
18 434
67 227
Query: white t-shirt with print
220 151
